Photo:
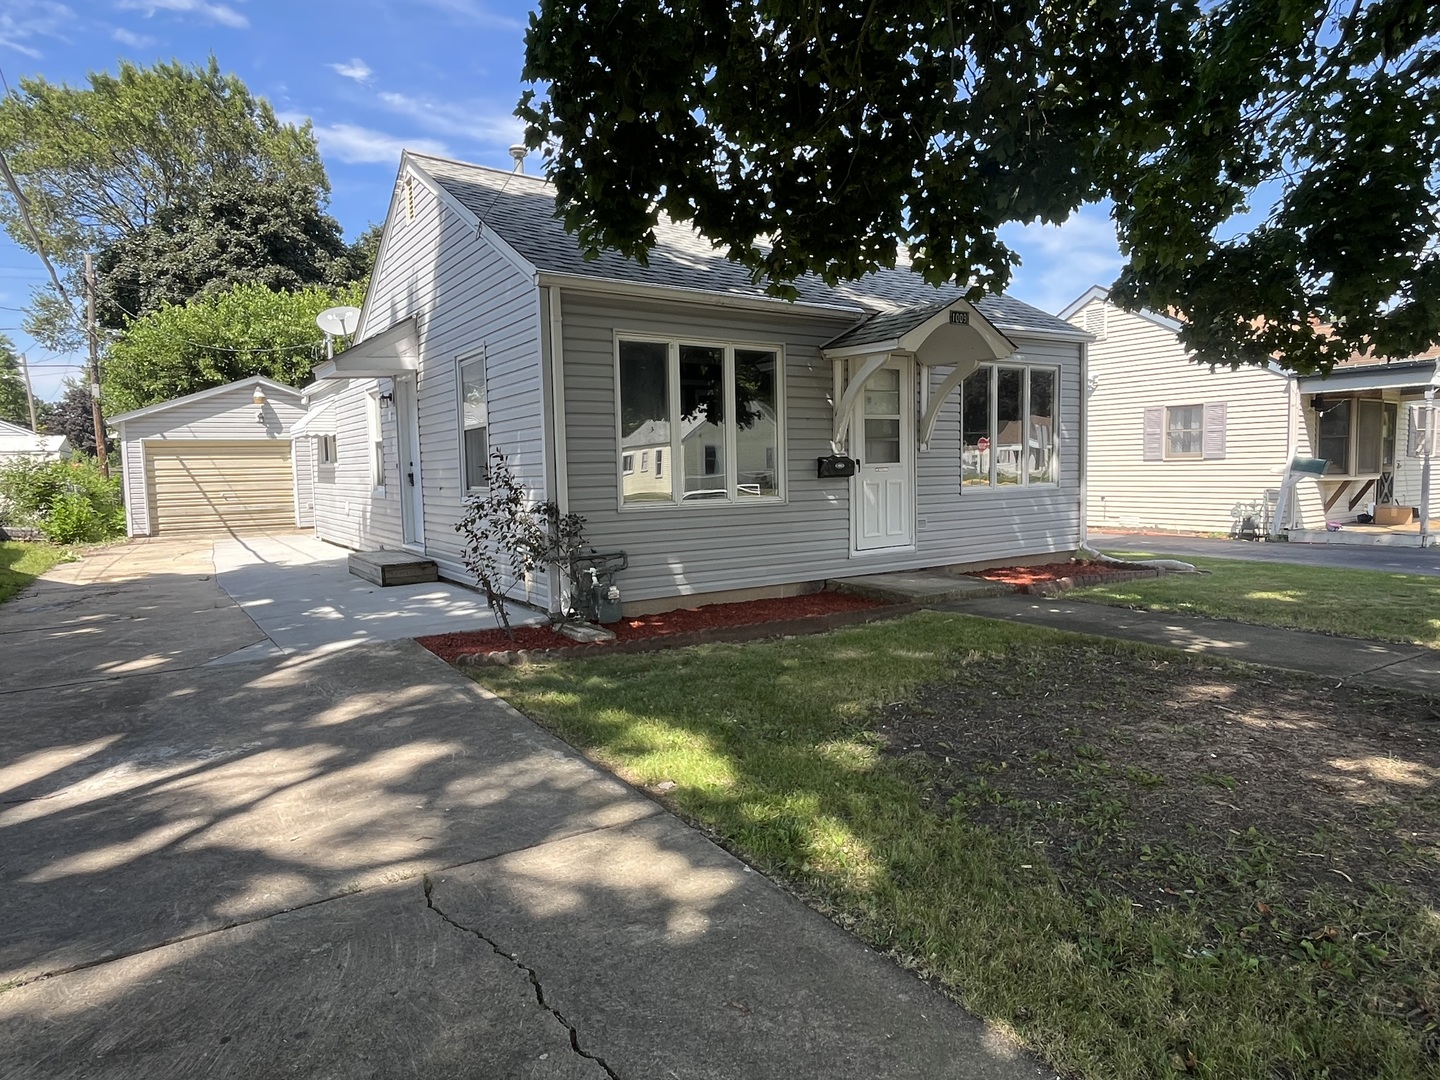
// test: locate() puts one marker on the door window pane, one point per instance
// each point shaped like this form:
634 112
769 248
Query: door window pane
702 421
1009 440
1040 440
882 393
756 428
644 415
1369 433
975 437
1387 437
882 442
1333 442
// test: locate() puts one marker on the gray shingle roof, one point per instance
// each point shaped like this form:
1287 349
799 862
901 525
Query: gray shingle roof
888 325
521 210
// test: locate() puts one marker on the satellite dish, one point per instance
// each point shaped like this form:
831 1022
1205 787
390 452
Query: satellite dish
339 321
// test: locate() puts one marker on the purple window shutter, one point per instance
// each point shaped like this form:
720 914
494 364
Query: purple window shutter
1214 443
1154 443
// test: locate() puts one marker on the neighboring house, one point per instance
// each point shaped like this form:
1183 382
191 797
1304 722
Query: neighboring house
681 410
17 441
216 461
1178 445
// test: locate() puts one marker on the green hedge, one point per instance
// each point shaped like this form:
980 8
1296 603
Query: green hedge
69 501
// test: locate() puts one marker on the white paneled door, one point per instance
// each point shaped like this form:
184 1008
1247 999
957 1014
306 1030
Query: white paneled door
883 437
412 493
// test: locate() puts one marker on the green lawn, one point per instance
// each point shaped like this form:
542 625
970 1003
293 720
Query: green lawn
21 562
1081 894
1356 603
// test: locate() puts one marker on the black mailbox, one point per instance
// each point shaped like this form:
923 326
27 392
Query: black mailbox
835 465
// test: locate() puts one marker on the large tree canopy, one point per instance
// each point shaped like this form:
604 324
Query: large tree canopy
207 242
100 162
821 138
213 340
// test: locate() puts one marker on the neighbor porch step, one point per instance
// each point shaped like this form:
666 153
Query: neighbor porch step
918 587
386 568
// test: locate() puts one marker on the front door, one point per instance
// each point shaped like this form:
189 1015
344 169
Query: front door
412 499
882 433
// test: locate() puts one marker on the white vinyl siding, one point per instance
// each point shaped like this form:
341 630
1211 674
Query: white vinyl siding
469 297
1251 424
716 546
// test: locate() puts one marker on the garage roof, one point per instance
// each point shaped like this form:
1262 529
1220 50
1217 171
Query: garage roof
200 395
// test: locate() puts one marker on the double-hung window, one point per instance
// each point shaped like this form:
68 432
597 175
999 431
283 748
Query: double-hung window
1007 426
714 410
1184 431
475 446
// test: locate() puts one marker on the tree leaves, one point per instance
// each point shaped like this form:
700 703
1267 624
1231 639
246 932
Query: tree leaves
805 138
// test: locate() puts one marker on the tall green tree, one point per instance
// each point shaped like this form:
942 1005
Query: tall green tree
218 237
72 417
212 340
14 404
807 138
100 162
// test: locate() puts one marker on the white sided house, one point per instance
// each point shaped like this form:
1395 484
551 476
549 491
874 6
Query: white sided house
216 461
1177 445
21 442
681 410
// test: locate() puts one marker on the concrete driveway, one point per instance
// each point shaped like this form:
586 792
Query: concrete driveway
355 863
1393 560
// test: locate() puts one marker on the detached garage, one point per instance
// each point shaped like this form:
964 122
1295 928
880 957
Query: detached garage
217 461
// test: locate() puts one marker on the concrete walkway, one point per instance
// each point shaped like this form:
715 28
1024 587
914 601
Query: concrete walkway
356 863
1338 658
303 597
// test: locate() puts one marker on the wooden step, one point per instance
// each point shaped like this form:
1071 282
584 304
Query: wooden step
386 568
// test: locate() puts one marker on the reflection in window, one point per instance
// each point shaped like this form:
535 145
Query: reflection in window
644 415
755 429
1369 435
474 421
975 428
727 445
1333 443
1008 426
1009 444
1040 440
702 421
1184 431
882 418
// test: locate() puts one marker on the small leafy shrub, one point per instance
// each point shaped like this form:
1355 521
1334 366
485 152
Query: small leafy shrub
503 522
69 501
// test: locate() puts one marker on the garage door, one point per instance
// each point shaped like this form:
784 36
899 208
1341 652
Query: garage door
220 486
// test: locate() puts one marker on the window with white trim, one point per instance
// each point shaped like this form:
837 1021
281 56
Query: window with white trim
1008 426
728 399
326 450
474 422
377 440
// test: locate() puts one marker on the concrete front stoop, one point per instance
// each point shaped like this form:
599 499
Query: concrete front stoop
919 587
387 568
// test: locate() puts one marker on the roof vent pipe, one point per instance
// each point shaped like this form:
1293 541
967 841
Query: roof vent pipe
518 153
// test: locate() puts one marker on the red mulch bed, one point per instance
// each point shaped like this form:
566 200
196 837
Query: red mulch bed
1023 576
450 647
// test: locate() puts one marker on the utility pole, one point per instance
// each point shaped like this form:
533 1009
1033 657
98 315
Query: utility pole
29 393
94 365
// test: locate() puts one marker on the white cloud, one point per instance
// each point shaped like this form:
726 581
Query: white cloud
132 39
223 14
356 145
1059 262
472 11
22 21
356 69
479 123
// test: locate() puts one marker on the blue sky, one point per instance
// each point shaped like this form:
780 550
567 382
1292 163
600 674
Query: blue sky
375 76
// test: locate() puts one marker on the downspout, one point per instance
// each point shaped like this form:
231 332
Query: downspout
1084 444
559 581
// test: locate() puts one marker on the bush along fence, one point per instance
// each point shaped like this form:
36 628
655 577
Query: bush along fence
68 501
